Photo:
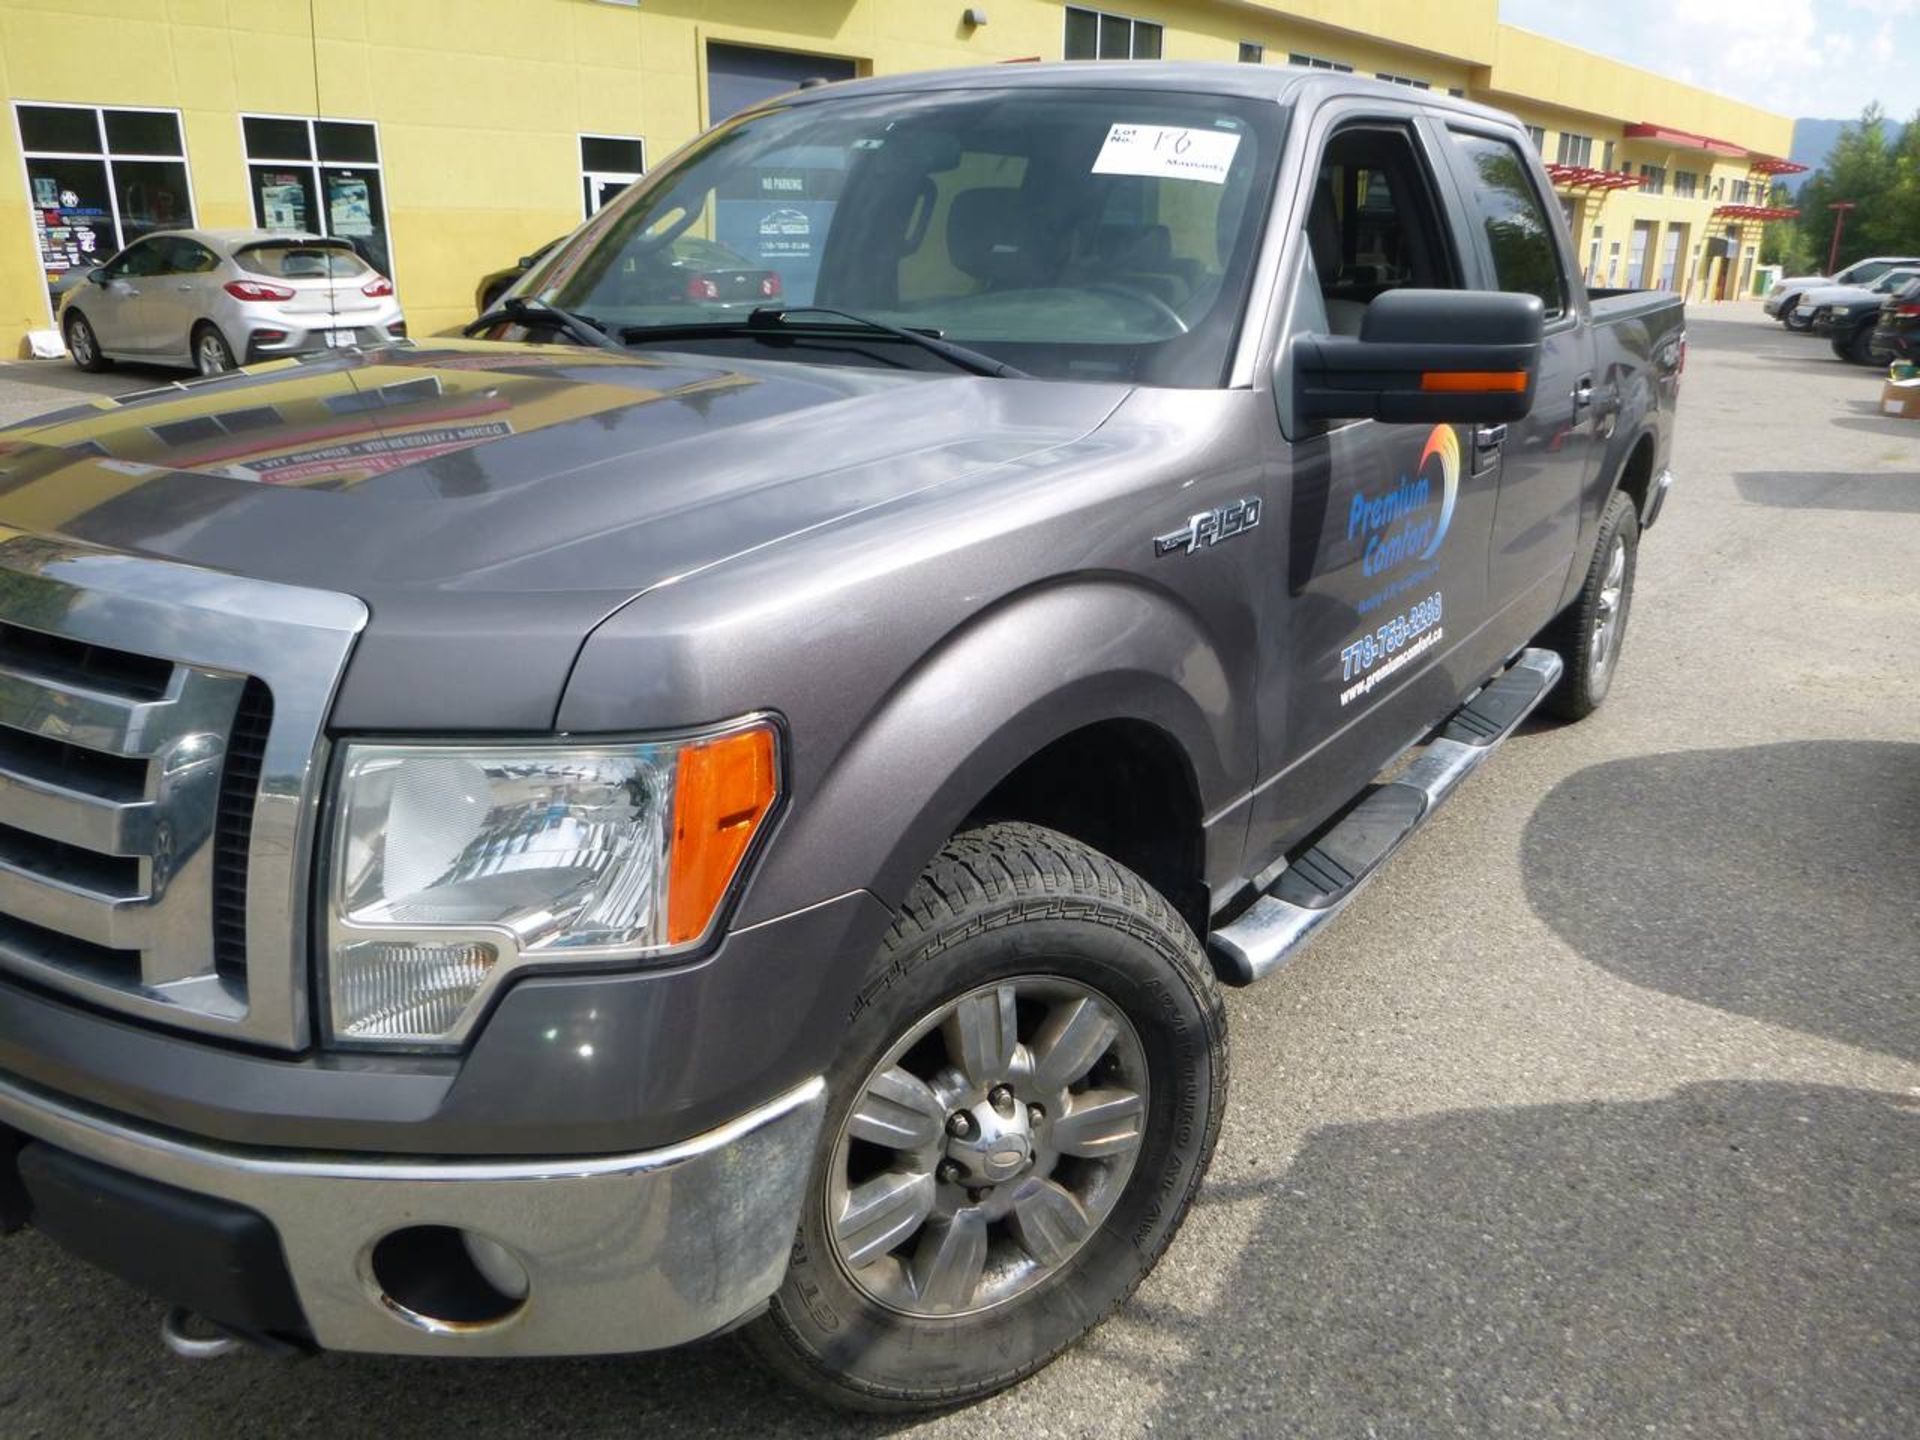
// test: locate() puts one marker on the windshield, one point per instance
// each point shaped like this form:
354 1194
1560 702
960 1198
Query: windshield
1098 234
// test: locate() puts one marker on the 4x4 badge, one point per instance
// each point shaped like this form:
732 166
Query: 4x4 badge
1210 527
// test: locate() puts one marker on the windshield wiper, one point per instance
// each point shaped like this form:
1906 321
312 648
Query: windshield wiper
772 319
583 328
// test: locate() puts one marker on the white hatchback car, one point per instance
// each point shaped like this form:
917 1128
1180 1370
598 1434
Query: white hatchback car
213 299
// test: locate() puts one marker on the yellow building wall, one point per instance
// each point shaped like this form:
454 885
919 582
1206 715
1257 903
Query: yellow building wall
480 103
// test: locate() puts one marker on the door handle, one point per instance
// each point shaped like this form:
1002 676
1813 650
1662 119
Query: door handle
183 287
1489 437
1582 395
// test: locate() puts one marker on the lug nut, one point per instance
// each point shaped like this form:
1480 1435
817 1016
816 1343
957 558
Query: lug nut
949 1172
960 1123
1035 1114
1001 1097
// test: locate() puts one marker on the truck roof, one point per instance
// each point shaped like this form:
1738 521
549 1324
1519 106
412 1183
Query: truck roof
1283 84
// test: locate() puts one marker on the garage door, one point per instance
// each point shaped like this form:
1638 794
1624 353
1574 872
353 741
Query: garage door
740 75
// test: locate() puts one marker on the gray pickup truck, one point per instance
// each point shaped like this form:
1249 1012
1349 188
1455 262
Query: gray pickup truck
674 813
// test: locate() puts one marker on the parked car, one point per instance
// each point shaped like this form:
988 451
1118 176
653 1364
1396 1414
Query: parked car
1846 315
211 299
1897 332
496 283
741 820
1785 295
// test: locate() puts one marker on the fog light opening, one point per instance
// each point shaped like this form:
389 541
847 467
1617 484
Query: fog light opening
441 1278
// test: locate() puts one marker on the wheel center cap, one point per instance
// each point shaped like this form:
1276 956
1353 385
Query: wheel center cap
1000 1148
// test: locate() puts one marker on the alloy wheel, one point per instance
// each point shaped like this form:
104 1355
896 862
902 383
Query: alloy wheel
1609 618
987 1146
80 341
211 353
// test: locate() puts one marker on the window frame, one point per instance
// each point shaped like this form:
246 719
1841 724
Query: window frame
1574 149
1318 62
106 155
1572 297
314 165
1252 52
587 176
1133 23
1405 80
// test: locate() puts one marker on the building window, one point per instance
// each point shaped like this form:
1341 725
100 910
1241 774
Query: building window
1096 35
1719 187
1406 80
1456 93
1653 179
1319 62
1742 192
608 164
99 179
1575 149
1539 138
1606 156
321 177
1684 183
1252 54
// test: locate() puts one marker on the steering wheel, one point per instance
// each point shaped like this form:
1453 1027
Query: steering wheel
1145 297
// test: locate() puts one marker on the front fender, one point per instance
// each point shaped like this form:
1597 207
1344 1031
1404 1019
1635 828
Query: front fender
1015 678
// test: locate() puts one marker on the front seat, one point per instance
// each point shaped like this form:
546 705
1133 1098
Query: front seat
994 236
1323 239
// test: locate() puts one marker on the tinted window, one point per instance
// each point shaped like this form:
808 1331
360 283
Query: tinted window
1518 234
143 132
347 142
277 139
53 127
140 260
189 257
293 261
619 157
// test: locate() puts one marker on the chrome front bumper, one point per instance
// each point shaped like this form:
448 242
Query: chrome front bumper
622 1253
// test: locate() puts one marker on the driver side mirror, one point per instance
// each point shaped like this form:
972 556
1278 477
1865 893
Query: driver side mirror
97 275
1432 356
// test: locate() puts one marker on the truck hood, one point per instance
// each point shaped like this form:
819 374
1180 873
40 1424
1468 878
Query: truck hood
491 503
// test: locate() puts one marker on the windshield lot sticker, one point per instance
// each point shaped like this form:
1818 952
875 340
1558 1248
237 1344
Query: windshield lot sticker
1172 152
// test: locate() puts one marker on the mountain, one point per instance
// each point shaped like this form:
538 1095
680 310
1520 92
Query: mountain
1812 139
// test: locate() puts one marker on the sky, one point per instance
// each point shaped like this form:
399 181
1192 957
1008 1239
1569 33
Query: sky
1805 58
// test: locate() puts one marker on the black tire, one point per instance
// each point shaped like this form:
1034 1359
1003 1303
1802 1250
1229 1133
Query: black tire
1576 635
1842 350
1859 346
1788 319
1005 901
211 353
82 342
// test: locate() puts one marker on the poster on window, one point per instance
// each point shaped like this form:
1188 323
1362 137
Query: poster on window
283 202
349 207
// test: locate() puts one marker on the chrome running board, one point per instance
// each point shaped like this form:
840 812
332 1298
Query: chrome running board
1318 884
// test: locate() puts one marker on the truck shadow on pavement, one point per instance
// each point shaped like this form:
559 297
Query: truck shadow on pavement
1735 1259
1890 492
1780 882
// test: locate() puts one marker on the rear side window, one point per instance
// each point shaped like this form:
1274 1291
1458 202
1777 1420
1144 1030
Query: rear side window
290 260
1518 235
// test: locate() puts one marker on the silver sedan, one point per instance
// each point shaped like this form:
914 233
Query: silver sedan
214 299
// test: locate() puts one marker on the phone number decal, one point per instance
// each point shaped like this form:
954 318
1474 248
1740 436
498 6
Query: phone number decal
1390 645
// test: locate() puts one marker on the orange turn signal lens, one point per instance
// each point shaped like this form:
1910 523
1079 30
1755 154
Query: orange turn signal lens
723 791
1475 382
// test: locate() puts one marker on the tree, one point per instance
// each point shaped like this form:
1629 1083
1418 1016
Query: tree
1881 176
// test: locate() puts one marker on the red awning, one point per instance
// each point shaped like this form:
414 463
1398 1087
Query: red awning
1764 166
1681 139
1754 212
1585 177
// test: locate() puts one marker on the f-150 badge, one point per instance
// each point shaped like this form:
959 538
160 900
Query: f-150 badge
1210 527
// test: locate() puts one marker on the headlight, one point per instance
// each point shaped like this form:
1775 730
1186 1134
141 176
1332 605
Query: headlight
454 865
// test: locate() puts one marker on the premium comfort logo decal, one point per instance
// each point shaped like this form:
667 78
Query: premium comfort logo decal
1399 531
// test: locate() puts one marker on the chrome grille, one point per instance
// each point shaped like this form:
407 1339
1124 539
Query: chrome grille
160 748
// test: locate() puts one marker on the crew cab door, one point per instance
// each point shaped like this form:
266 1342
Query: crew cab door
1545 459
1374 620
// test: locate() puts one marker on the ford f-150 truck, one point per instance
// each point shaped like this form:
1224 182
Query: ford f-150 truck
643 821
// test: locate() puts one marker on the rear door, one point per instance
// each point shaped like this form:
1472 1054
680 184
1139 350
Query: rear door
1546 458
1378 600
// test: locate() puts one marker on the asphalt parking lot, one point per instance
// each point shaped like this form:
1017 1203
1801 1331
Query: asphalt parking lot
1598 1115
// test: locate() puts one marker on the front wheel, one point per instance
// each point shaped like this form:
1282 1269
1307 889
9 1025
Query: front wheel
1589 633
1029 1093
83 346
1791 319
